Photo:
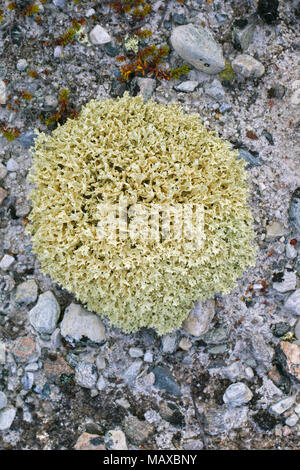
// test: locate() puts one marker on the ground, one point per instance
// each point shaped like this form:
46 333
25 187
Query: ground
55 388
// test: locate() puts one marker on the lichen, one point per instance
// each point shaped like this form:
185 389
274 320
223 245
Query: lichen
151 154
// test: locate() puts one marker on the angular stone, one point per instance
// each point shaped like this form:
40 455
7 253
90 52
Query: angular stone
282 405
247 66
199 319
3 400
165 381
261 351
169 343
242 33
25 350
252 158
115 440
89 442
3 173
54 369
288 282
3 195
3 92
99 36
293 303
86 374
26 292
197 46
7 415
276 229
294 211
45 314
137 432
222 420
6 262
237 394
79 323
187 86
130 374
143 86
289 357
215 90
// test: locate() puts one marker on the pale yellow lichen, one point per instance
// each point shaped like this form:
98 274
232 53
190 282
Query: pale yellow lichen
148 153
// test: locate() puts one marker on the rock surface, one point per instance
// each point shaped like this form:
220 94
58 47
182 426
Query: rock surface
78 323
197 47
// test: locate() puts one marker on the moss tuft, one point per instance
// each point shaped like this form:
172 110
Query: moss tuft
147 153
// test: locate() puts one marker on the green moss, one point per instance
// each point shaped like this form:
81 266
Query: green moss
228 73
148 153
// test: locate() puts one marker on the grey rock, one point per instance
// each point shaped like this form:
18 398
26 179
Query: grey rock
99 36
101 383
26 292
261 351
294 211
148 357
130 374
115 440
2 353
7 415
51 101
165 381
136 352
27 380
297 330
292 420
60 4
55 339
290 251
288 282
143 86
3 400
222 420
219 349
58 52
6 262
12 165
3 92
281 329
197 46
247 66
137 431
225 108
221 17
3 171
86 374
215 90
242 34
216 335
27 139
276 229
79 323
237 394
179 19
251 157
117 88
200 317
169 343
171 413
282 405
45 314
187 87
100 362
293 303
22 65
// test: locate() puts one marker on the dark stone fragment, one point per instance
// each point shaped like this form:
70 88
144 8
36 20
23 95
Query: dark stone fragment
165 381
179 19
268 136
280 329
117 88
111 50
294 210
265 420
268 10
